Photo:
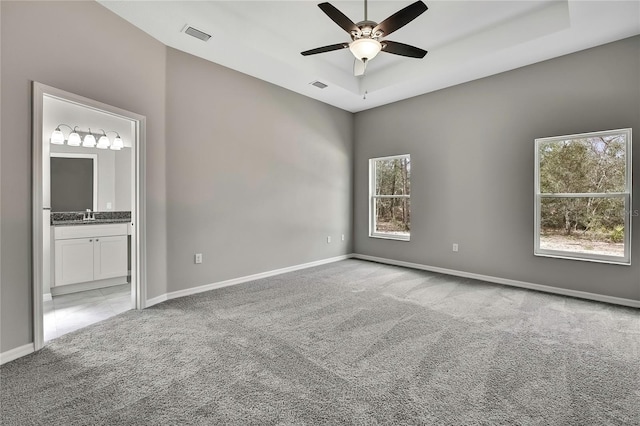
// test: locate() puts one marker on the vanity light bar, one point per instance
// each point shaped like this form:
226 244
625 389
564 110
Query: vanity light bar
86 139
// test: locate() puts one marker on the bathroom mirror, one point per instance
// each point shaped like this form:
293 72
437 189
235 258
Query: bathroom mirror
74 182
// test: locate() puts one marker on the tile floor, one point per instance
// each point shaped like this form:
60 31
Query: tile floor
70 312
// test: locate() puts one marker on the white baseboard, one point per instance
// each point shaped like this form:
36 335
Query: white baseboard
46 297
16 353
155 300
240 280
504 281
514 283
21 351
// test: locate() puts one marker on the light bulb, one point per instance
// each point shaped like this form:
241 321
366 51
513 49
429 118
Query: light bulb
57 137
74 139
89 141
117 144
103 142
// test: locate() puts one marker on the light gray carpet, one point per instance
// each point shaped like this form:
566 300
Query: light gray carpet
351 342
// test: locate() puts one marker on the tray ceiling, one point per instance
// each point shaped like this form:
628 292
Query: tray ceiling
466 40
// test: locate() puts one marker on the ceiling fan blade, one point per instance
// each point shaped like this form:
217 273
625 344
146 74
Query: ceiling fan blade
401 18
402 49
324 49
339 18
359 67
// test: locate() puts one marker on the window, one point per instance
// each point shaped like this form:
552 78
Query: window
583 196
389 201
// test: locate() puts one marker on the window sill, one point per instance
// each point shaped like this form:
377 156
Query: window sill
391 237
573 256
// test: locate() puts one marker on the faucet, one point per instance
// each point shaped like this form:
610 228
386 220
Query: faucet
88 215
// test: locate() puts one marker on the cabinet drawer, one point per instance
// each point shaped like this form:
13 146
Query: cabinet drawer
88 231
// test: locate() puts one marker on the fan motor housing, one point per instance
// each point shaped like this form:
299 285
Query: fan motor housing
366 29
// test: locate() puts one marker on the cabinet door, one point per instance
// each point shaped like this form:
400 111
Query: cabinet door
110 257
74 261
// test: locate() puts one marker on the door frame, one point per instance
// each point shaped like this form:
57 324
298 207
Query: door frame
138 195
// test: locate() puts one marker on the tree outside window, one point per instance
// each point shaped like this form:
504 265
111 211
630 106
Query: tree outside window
390 197
583 196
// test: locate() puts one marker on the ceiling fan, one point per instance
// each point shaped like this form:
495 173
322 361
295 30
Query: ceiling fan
366 36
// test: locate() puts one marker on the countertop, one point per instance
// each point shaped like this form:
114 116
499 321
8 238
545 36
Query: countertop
101 218
87 222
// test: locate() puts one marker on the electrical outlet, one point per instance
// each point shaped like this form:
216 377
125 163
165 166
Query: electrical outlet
455 247
198 258
342 237
328 239
109 205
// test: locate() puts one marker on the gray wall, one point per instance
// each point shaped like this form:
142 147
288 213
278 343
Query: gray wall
74 46
257 176
472 165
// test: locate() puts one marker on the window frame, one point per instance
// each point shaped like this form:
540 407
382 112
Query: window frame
626 195
373 197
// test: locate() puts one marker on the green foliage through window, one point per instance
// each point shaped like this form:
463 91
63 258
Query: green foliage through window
589 165
583 193
391 212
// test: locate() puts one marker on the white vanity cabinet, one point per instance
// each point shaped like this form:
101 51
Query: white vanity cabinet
86 253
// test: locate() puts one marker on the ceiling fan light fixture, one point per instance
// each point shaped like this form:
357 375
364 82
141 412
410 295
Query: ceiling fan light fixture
365 48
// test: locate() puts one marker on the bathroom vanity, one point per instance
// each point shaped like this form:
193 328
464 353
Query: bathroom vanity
89 254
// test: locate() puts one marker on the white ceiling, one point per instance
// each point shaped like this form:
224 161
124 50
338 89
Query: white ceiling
466 40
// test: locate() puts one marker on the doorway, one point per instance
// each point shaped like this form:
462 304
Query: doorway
70 263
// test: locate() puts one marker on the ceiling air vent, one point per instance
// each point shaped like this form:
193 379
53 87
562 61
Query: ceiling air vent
197 33
319 84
